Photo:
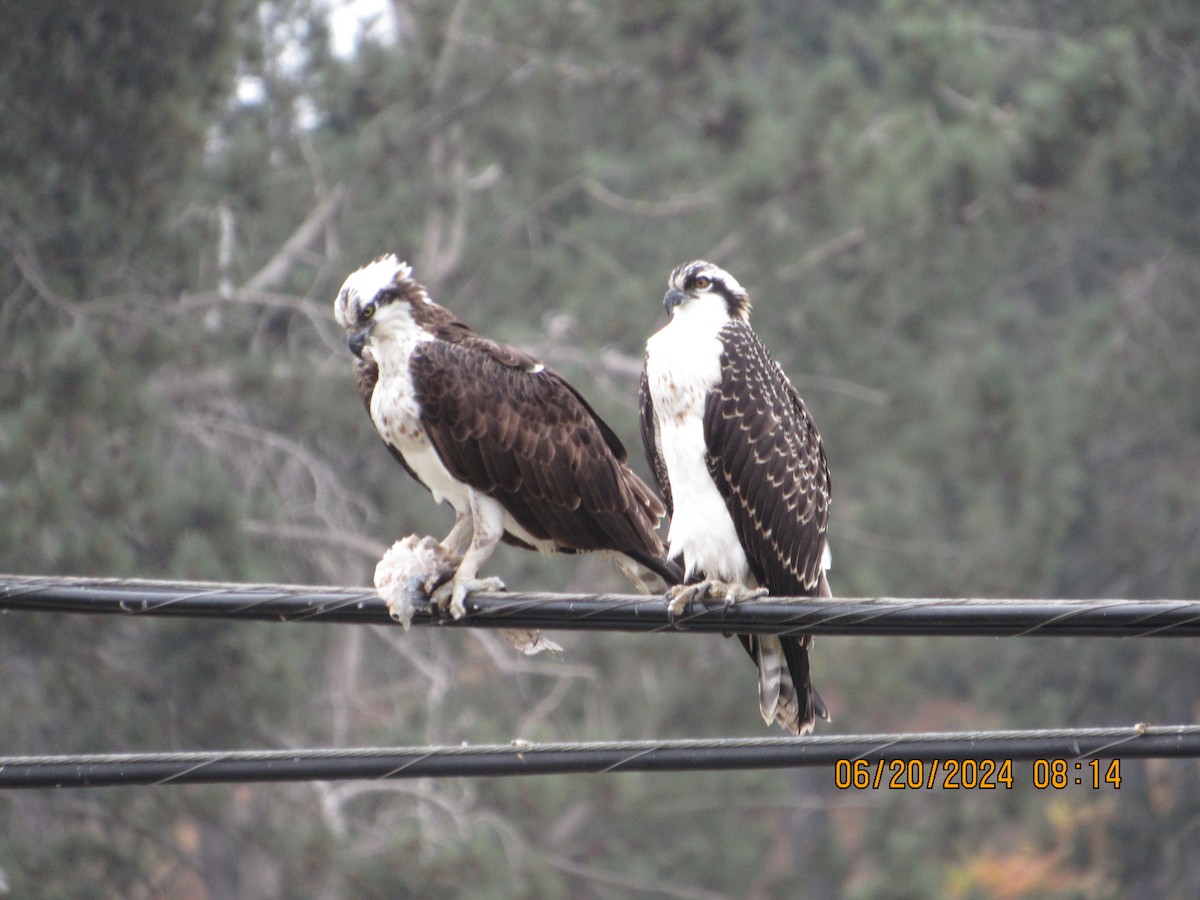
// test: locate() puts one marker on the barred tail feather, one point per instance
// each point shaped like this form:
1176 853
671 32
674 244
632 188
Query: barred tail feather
776 693
785 691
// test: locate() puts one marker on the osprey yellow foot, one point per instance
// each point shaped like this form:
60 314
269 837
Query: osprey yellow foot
451 596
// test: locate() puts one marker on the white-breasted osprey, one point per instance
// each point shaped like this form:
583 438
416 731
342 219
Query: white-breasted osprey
508 443
743 471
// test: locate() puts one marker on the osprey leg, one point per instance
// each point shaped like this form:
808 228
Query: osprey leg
487 520
460 535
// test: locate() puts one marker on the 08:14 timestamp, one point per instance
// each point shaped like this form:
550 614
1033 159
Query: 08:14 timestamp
1058 773
970 774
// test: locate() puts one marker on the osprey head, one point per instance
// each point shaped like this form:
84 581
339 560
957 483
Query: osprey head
379 294
702 282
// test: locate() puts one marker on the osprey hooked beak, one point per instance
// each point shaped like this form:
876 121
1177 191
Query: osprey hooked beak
356 340
673 298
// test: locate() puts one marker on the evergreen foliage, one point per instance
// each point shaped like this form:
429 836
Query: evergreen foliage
969 230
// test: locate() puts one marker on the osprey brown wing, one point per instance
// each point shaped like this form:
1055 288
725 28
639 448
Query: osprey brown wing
766 457
658 466
523 435
366 376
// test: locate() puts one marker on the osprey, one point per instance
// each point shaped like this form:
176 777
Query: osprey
508 443
740 463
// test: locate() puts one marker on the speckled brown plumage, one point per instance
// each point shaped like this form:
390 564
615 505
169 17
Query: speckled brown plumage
764 455
510 428
530 440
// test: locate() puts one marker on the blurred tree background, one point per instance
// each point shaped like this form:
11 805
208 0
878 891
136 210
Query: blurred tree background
972 232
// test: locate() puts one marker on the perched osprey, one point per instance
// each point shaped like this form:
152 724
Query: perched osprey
508 443
741 466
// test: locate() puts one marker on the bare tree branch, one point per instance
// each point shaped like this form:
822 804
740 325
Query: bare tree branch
513 224
319 316
823 253
626 882
26 262
355 542
845 386
681 205
285 258
450 44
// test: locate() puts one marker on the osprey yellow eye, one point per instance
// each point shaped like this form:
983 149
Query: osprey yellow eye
367 312
702 282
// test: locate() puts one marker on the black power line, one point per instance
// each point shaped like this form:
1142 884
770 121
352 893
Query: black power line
519 758
612 612
288 603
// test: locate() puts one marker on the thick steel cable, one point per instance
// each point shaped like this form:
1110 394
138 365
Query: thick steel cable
522 758
611 612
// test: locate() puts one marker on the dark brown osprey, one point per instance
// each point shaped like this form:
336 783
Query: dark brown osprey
508 443
740 462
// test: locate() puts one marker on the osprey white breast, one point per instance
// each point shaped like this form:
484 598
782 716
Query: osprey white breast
683 364
396 414
397 417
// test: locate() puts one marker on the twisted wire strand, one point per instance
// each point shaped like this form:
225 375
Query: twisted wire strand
612 612
524 758
891 616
